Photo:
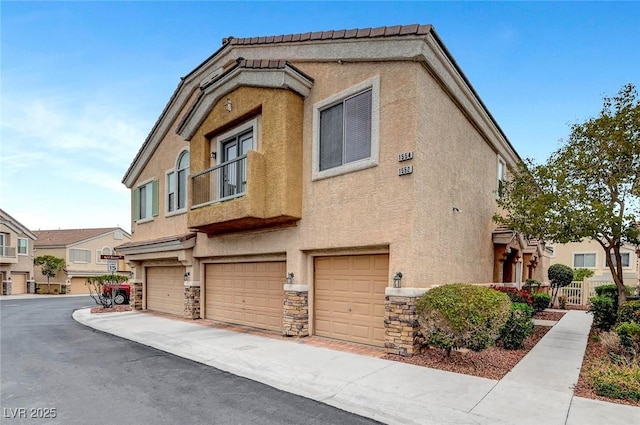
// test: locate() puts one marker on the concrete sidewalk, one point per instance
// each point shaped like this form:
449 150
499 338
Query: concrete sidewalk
539 390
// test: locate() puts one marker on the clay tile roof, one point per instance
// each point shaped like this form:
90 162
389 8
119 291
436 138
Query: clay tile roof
65 237
351 33
263 64
409 29
338 34
397 30
363 32
377 32
392 30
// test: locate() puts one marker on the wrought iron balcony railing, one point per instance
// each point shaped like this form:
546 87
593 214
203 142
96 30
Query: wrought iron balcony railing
220 183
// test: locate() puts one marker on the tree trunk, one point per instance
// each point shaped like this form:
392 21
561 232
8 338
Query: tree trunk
616 272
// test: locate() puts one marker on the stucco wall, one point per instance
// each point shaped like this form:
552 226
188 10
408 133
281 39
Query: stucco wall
563 254
273 171
455 182
375 210
23 263
162 160
60 276
94 245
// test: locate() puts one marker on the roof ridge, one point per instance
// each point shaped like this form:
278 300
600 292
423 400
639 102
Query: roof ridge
386 31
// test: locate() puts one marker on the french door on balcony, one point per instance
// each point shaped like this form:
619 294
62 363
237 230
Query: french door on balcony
234 173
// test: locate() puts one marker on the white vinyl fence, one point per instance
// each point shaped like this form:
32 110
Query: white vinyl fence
578 293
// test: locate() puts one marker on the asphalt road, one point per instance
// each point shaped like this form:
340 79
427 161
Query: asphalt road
56 371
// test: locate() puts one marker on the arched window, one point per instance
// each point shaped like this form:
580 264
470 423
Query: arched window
104 251
177 184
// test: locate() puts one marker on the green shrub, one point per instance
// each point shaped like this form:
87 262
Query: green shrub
629 333
462 316
529 284
604 312
610 290
580 274
560 275
620 381
518 326
540 301
629 312
562 302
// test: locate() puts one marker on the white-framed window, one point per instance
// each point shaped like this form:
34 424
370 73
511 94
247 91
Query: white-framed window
586 260
79 255
104 251
177 180
346 130
145 201
23 246
501 177
231 150
624 256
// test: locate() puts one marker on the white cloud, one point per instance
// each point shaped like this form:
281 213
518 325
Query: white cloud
63 158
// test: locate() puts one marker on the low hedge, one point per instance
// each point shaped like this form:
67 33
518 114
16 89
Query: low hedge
621 381
629 312
518 327
540 301
462 316
604 312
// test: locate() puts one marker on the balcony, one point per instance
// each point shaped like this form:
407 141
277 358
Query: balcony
249 192
220 183
8 255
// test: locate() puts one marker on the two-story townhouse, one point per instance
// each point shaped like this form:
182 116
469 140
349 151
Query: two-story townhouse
16 255
82 250
588 254
328 180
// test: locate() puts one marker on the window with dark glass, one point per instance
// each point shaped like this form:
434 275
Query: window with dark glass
345 131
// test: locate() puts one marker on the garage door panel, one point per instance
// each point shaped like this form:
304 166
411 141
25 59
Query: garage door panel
79 286
254 293
349 297
18 283
165 289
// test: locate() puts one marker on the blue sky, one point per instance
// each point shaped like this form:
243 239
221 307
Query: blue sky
83 82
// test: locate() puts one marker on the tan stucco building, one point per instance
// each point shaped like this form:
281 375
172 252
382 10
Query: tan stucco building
82 250
16 256
290 179
588 254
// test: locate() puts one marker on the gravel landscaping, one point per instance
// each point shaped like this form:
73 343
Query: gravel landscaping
492 363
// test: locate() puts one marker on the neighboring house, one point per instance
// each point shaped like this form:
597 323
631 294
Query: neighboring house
81 249
589 254
290 178
16 255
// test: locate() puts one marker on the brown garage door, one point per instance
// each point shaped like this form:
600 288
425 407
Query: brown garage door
78 285
165 289
349 297
18 283
248 294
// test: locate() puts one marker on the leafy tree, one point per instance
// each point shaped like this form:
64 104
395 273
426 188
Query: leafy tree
588 188
559 277
581 274
97 284
49 265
